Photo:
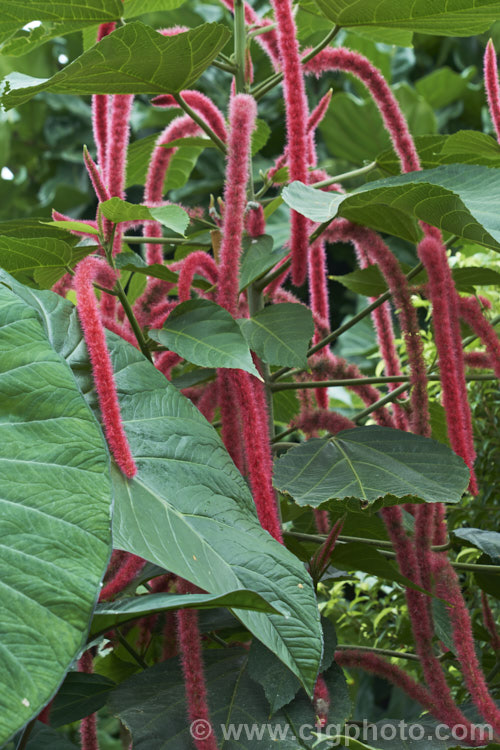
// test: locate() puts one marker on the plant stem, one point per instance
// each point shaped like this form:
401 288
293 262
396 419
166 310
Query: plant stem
275 79
262 30
240 44
132 240
132 320
364 381
381 651
382 543
224 66
133 653
201 122
345 175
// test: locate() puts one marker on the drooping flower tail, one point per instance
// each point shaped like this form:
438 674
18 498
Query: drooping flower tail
87 271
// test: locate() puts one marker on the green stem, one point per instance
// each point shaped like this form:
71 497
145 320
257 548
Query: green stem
261 30
363 381
381 651
275 79
240 44
132 320
199 121
133 653
224 66
345 175
133 240
381 543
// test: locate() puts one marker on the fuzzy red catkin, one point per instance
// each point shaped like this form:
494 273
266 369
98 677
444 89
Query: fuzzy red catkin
448 588
378 252
100 110
88 725
255 221
96 178
321 419
321 702
491 86
192 667
296 109
130 566
86 272
197 262
470 311
340 58
231 418
242 114
201 104
445 315
489 623
443 706
479 360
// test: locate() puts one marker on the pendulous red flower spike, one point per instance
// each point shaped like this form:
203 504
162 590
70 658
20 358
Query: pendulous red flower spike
192 666
340 58
88 725
130 566
321 419
491 85
242 114
87 271
100 109
96 178
444 300
470 311
255 221
321 702
448 588
296 109
201 104
197 262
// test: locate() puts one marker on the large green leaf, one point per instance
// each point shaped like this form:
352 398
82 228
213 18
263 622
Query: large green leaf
487 541
205 334
458 198
55 518
110 614
280 334
440 17
370 467
152 706
258 257
80 694
188 509
72 15
134 59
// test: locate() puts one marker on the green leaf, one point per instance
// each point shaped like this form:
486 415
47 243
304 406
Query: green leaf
260 136
258 257
45 738
488 582
55 519
110 614
151 705
205 334
376 465
487 541
280 334
463 147
73 226
80 694
173 217
443 86
440 17
134 59
40 261
458 198
134 8
129 261
72 15
442 623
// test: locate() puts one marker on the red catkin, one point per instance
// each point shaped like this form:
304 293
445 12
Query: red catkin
491 86
197 262
192 666
255 221
321 419
321 702
296 124
130 566
448 588
489 623
479 360
377 251
87 271
470 311
446 330
201 104
242 114
231 419
100 109
96 178
339 58
88 725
